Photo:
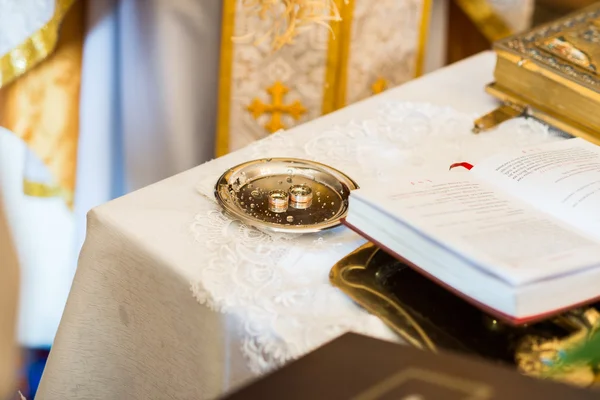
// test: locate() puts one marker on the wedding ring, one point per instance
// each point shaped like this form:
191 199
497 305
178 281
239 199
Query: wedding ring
301 206
278 201
300 194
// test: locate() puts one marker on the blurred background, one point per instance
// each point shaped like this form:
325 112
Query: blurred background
42 227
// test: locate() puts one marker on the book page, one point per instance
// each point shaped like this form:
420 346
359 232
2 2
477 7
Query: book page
501 234
561 178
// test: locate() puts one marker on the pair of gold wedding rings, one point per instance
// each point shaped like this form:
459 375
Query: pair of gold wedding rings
297 196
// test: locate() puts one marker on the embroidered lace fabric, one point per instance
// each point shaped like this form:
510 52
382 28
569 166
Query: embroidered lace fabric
277 285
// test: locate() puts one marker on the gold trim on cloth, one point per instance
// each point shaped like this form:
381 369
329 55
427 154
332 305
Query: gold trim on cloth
35 49
423 37
38 189
344 43
226 66
42 106
333 61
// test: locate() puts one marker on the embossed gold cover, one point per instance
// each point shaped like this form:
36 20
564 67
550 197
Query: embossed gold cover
552 73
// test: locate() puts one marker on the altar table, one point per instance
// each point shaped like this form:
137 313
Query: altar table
132 328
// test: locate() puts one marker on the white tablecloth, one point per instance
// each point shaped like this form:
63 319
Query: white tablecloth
133 328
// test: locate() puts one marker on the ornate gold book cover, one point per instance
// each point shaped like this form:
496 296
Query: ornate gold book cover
552 72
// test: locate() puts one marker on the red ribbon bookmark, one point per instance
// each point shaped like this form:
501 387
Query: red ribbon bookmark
462 164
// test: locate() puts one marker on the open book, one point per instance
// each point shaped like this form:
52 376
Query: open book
518 234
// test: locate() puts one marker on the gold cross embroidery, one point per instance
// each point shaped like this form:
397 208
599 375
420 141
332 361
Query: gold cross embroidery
277 109
379 86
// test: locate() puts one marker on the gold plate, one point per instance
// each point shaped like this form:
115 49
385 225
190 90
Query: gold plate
244 192
429 317
357 276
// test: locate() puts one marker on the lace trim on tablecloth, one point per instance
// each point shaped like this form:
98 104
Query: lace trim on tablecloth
277 285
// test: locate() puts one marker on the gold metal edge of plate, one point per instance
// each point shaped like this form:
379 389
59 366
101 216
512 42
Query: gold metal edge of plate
374 299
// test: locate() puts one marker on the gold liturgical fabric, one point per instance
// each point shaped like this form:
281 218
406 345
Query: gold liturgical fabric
262 91
39 98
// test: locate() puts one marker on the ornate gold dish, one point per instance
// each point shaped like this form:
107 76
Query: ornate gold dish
285 194
551 73
429 317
